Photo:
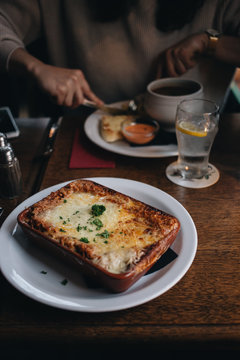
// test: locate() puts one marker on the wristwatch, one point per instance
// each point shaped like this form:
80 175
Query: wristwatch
213 37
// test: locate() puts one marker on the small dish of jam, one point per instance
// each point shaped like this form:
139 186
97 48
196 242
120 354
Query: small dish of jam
140 131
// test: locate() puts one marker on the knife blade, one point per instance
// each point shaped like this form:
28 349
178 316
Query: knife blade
109 109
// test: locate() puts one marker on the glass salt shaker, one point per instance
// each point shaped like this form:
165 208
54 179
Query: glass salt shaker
10 173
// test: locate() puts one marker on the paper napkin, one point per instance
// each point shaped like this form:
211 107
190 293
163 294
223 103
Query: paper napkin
85 154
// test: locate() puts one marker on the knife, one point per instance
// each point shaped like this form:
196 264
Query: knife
131 108
45 155
49 145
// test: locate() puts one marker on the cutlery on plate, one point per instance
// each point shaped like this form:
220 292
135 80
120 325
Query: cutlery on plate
130 109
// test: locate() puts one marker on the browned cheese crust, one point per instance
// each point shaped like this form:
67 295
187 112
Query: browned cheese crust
141 229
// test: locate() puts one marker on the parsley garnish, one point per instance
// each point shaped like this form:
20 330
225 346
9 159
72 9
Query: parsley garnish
43 272
98 223
64 200
79 227
62 230
104 234
97 210
84 239
64 282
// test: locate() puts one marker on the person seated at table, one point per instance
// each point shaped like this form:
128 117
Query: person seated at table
108 51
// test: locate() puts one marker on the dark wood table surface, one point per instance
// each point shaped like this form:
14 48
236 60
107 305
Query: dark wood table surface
201 312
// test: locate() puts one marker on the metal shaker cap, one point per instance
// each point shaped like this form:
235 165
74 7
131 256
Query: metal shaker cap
6 155
3 140
6 151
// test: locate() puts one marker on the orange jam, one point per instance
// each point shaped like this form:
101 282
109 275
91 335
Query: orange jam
139 133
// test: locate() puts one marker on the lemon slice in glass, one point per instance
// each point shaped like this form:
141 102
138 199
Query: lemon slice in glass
191 129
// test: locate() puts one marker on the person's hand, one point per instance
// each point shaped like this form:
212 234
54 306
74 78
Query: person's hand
66 87
181 57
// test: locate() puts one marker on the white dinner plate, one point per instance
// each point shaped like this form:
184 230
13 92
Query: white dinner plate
92 130
45 279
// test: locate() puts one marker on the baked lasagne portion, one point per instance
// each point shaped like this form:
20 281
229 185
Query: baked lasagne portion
108 229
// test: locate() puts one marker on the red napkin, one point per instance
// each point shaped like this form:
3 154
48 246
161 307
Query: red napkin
85 154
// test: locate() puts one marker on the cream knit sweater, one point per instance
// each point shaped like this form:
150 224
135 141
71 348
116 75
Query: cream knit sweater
115 57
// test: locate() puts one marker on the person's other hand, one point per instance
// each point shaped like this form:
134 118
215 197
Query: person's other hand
65 87
181 57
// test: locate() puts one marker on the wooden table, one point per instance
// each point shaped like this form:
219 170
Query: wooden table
201 312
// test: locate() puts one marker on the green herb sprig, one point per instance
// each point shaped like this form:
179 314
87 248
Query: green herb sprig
105 234
97 210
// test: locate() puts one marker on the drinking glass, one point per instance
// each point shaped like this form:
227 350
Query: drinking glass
196 127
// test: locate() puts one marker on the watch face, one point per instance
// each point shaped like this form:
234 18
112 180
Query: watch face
213 32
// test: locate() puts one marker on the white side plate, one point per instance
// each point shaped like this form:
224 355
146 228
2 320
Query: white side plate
40 276
92 130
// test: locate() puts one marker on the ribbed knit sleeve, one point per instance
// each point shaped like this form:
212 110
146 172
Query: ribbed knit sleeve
9 41
20 24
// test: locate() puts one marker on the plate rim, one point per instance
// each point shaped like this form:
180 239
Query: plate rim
92 123
116 305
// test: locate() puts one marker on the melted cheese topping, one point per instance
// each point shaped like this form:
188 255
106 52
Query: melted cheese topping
116 237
